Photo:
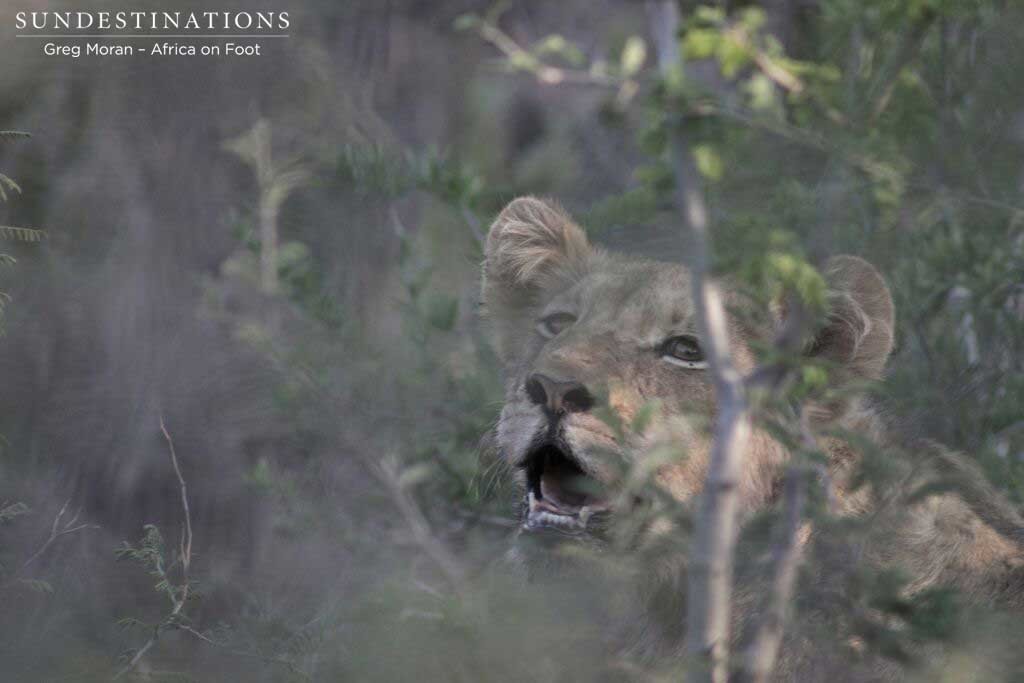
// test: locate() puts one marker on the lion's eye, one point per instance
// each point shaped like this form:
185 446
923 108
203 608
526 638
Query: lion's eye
552 325
684 351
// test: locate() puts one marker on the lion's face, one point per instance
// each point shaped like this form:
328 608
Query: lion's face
589 340
620 339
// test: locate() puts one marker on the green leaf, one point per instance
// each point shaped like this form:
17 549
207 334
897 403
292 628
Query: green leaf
752 18
706 14
814 377
523 61
761 92
701 43
709 162
559 46
732 56
634 53
9 232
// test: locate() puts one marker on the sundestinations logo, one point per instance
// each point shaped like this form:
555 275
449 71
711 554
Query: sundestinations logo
152 21
122 33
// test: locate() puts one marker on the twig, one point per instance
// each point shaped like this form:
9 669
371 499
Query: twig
56 532
387 472
186 543
763 651
545 73
773 70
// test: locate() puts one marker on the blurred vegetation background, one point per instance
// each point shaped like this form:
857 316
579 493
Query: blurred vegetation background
277 259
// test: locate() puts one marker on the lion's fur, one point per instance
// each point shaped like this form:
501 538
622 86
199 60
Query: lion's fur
537 260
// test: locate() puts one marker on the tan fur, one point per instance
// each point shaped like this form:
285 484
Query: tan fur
533 239
538 261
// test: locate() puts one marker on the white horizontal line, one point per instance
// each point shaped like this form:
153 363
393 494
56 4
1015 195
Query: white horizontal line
151 35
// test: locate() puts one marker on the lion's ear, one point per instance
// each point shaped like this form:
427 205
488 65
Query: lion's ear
531 246
858 335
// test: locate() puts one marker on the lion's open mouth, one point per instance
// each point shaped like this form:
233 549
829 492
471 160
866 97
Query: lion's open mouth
560 495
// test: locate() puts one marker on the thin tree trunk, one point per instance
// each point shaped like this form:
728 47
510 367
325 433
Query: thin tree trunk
709 595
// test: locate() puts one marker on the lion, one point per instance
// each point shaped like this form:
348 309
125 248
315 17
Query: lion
582 333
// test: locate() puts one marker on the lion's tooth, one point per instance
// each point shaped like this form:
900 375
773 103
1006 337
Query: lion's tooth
532 501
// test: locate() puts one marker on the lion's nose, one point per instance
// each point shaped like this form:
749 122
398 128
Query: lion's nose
558 397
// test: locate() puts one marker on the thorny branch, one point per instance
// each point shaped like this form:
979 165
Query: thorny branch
179 597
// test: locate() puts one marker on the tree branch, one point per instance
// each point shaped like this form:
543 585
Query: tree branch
709 595
177 597
882 90
763 651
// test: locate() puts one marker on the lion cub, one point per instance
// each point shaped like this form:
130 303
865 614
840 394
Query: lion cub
580 331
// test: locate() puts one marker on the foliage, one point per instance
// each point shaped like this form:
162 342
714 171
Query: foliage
881 129
10 233
844 125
